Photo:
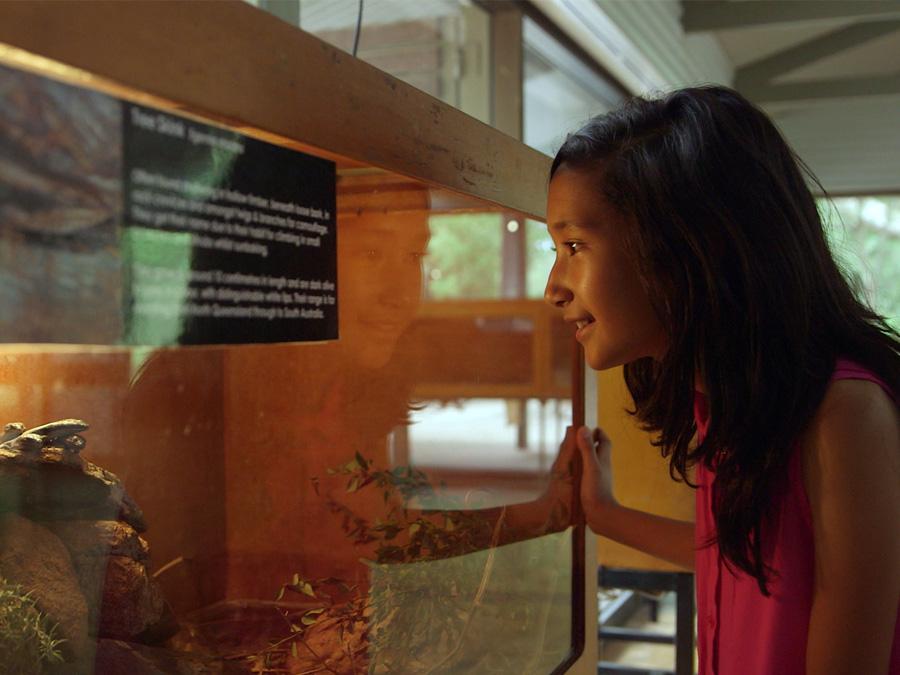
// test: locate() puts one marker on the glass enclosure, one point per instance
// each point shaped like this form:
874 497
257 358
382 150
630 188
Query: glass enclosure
239 435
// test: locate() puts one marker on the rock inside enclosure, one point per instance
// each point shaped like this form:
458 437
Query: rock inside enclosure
70 538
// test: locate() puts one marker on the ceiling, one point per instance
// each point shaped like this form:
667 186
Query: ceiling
828 72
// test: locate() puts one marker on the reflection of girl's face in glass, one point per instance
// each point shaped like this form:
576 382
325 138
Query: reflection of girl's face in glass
379 281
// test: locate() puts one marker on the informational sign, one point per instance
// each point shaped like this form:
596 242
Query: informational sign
123 224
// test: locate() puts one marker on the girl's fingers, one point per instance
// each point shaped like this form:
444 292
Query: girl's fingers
566 447
566 451
586 444
594 445
601 437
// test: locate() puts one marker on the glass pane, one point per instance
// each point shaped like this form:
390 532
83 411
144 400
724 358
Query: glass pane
464 258
438 46
561 91
379 502
539 257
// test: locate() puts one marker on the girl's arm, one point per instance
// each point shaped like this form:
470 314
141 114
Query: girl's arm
851 460
551 512
665 538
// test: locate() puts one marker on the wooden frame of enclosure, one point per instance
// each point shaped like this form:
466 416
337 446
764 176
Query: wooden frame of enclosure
232 64
256 74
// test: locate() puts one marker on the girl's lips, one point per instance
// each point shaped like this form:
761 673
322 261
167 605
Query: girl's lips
581 331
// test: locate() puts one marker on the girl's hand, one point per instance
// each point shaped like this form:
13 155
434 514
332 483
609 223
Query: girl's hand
665 538
558 499
594 448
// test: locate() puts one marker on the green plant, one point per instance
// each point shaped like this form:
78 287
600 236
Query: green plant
433 592
28 640
464 256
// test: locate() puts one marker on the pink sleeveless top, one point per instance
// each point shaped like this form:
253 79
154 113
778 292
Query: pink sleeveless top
740 631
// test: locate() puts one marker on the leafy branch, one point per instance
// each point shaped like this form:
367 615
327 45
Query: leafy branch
414 619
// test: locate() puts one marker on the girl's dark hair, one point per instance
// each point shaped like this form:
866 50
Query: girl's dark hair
729 243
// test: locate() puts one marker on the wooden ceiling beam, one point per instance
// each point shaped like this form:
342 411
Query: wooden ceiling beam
823 89
713 15
767 68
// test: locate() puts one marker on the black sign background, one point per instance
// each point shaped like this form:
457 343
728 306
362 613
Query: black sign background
166 146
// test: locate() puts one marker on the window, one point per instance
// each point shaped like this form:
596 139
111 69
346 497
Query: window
864 233
464 256
438 46
561 91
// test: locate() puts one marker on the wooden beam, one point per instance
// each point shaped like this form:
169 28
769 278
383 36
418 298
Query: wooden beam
712 15
824 89
237 65
810 51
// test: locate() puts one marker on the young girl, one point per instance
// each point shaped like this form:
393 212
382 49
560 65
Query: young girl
690 249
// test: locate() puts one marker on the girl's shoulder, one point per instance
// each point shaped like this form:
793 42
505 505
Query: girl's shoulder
848 370
854 432
857 403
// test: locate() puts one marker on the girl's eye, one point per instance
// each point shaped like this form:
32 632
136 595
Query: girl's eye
570 246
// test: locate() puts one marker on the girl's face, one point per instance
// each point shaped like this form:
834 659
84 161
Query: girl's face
593 281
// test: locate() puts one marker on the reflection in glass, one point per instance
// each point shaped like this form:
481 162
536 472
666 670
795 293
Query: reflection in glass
59 197
290 507
283 528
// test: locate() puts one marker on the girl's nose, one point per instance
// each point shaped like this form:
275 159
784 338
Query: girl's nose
555 293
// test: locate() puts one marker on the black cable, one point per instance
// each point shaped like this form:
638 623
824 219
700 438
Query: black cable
358 27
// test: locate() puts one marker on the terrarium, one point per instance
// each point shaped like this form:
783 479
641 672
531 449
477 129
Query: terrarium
239 436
